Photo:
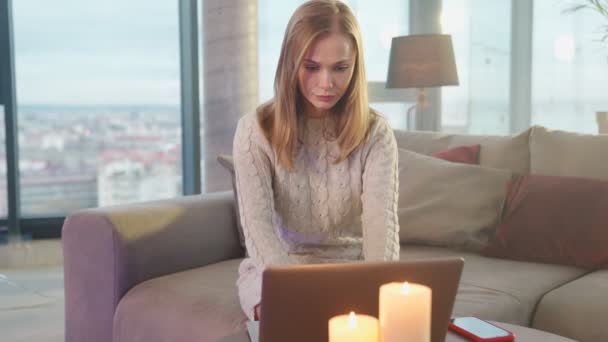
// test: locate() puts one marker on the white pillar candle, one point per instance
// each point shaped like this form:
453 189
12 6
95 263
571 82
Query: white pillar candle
353 328
405 313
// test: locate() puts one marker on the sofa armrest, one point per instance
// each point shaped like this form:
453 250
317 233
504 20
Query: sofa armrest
109 250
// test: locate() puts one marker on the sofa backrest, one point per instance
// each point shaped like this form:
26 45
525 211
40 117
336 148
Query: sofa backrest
502 152
561 153
537 150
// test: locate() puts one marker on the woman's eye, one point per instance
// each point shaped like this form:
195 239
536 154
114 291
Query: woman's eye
342 68
311 67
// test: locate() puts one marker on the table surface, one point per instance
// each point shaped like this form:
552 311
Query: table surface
522 334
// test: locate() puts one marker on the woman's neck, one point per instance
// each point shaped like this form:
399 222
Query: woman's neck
313 113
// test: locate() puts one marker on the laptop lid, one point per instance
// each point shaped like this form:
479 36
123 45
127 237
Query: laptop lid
298 301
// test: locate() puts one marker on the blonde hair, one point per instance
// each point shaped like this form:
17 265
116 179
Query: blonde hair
279 117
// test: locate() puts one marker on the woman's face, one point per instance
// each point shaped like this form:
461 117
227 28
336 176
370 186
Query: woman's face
325 72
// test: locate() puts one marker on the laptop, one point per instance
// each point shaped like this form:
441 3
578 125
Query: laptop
298 301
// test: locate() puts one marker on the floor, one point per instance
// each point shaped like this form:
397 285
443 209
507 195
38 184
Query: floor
31 291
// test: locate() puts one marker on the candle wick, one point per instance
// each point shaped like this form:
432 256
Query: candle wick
352 320
405 289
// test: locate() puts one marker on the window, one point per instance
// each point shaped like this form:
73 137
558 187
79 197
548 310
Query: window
481 37
98 103
569 68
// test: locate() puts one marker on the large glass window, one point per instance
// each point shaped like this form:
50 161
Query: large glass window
481 36
378 25
98 102
569 68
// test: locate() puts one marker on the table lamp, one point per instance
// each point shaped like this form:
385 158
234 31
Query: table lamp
421 61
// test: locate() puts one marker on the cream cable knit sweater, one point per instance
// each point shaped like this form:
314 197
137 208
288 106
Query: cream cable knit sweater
321 212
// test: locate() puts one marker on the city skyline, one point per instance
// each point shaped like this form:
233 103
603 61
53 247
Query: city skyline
75 157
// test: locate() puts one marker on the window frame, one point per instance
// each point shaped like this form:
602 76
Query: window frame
8 101
190 97
520 103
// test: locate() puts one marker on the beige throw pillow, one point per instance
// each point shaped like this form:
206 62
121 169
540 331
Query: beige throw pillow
561 153
448 204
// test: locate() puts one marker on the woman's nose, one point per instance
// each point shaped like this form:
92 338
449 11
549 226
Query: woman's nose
326 80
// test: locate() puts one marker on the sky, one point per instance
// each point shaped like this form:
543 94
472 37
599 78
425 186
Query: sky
96 52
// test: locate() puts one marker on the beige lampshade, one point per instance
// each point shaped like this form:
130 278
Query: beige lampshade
421 61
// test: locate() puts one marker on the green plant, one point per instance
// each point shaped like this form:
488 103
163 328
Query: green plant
599 6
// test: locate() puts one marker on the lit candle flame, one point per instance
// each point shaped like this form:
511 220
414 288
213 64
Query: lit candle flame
405 289
352 320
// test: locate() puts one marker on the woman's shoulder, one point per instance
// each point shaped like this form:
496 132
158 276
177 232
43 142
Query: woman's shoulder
249 123
257 119
381 138
248 119
379 125
249 131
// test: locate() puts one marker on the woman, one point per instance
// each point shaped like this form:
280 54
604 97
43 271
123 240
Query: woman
316 168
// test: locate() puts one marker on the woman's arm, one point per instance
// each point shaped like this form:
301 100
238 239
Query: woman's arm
253 167
380 194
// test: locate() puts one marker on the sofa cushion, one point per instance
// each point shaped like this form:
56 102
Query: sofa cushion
467 154
196 305
498 289
501 152
560 153
554 219
448 204
202 304
577 310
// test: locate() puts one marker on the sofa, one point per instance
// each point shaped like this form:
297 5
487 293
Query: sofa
166 270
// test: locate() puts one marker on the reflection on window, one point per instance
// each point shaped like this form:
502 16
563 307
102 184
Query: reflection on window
481 31
569 68
378 25
98 103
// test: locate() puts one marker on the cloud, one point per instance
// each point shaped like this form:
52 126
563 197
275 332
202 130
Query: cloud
75 50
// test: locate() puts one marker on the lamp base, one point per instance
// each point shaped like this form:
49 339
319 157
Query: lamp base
413 113
411 118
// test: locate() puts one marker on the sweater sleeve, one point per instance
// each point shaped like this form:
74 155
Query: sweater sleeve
253 169
380 194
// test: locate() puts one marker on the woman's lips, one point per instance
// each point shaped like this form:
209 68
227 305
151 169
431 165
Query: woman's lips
325 98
